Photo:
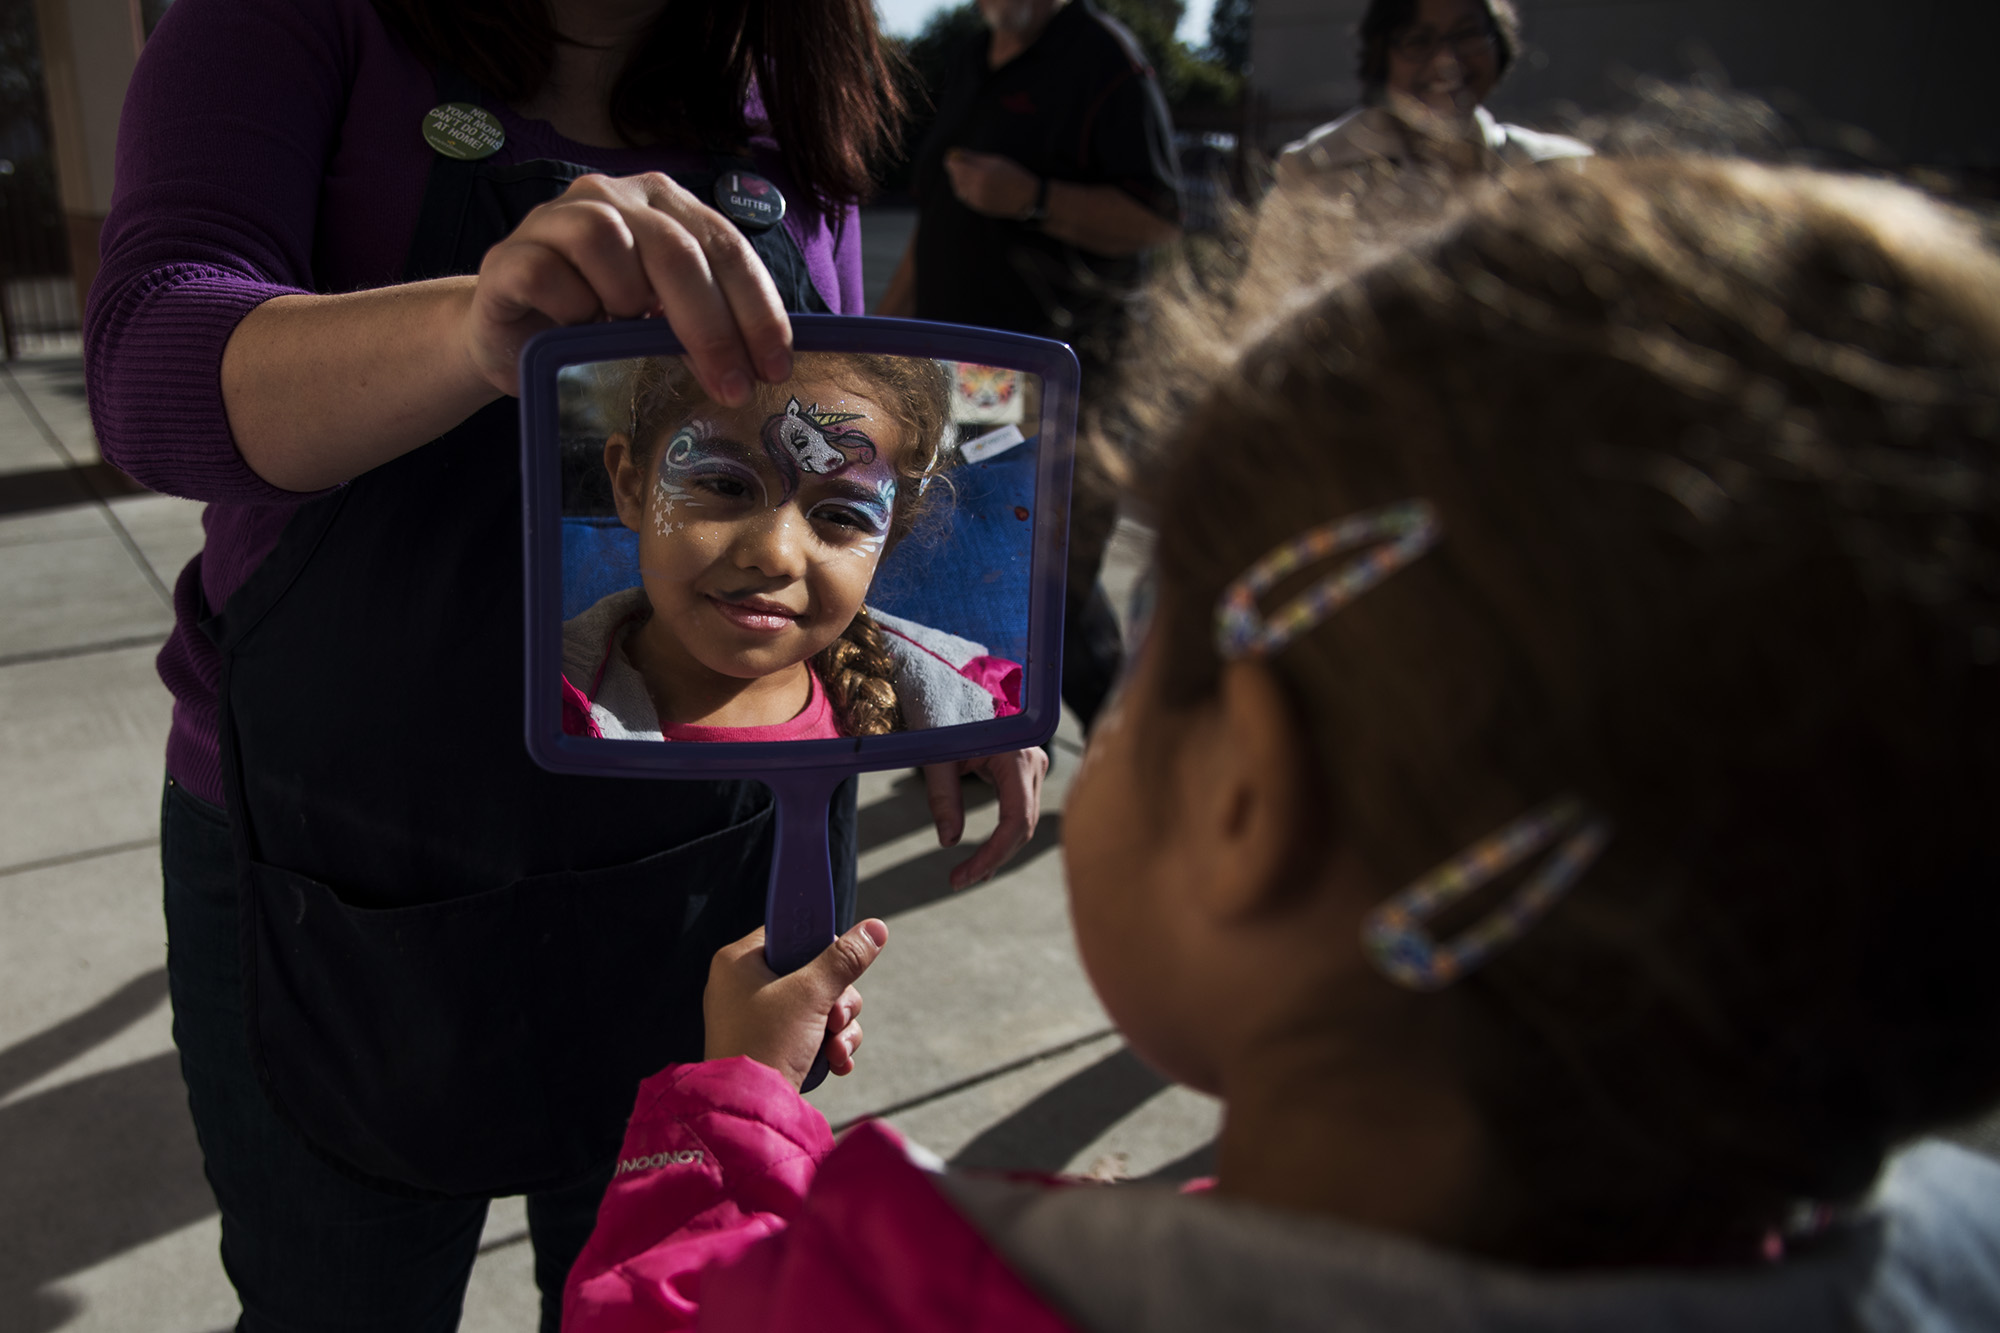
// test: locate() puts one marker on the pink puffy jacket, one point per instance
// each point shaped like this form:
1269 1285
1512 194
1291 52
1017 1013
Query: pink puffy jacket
733 1209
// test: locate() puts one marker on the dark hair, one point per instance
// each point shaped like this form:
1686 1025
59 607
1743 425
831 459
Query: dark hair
1386 19
828 84
856 668
1716 451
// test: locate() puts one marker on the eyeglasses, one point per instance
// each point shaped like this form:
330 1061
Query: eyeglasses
1420 44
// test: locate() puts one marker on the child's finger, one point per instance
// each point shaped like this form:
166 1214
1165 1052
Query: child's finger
840 1048
840 965
947 802
845 1010
733 954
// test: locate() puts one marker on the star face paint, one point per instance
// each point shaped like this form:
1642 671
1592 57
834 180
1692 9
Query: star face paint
697 471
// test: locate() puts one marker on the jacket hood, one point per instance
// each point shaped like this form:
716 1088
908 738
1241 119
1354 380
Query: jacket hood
1925 1256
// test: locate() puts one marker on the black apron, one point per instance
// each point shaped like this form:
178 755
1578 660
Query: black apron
457 967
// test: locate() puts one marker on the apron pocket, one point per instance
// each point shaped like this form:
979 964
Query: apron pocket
489 1044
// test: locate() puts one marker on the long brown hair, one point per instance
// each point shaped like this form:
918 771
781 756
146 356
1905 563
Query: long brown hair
856 668
1716 450
829 85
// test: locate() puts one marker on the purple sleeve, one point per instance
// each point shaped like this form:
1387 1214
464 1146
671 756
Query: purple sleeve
231 117
847 263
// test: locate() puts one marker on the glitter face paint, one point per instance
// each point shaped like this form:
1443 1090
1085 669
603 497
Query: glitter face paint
806 439
694 471
760 534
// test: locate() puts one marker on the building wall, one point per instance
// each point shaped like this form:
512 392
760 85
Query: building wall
1915 74
88 50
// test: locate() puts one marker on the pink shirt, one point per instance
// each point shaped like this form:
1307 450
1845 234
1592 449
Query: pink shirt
814 722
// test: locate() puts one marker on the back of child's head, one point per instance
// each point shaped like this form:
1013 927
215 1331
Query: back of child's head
1713 451
915 393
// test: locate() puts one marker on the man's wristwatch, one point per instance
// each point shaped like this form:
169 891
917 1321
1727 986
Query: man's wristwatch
1039 210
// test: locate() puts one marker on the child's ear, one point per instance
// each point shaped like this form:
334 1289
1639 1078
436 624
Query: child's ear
1243 788
628 487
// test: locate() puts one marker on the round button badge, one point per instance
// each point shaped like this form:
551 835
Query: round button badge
749 199
463 130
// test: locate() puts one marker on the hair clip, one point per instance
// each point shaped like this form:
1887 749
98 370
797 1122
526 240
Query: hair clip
1406 530
1394 938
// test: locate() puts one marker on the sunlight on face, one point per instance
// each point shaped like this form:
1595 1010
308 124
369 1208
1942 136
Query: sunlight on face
763 525
1446 58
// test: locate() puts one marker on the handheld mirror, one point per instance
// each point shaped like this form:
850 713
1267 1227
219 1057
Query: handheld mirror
861 569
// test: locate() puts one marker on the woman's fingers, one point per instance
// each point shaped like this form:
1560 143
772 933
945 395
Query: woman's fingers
947 802
1017 779
759 322
625 248
699 269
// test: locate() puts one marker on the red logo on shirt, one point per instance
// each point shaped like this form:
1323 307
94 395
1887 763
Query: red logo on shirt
1019 103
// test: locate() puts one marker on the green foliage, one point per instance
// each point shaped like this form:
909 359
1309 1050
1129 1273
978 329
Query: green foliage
1189 79
930 51
1229 35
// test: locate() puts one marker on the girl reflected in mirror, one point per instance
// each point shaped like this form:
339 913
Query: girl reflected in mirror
761 527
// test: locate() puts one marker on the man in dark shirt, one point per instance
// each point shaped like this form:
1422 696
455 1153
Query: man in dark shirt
1050 171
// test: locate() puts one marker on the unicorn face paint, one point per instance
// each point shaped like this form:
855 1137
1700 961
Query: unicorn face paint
760 530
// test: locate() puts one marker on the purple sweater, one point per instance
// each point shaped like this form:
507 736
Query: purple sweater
267 147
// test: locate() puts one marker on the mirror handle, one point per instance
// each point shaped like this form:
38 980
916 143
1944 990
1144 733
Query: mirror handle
798 905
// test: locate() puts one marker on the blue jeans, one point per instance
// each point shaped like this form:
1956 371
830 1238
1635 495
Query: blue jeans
309 1249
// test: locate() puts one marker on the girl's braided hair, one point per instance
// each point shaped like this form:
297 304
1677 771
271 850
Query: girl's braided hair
1716 449
856 668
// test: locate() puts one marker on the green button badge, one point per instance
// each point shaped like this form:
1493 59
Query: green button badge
463 130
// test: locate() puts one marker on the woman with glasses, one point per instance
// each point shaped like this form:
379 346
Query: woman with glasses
1427 66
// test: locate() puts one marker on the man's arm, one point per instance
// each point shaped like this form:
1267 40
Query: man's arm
1102 219
1105 220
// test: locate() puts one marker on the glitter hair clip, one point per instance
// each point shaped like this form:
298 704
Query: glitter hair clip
1394 937
1405 530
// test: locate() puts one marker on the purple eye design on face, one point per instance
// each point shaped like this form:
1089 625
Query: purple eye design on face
805 439
694 475
868 517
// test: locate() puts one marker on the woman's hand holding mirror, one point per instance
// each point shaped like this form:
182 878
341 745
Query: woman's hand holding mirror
1017 780
628 247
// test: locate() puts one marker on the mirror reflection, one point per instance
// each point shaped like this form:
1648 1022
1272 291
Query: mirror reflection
846 555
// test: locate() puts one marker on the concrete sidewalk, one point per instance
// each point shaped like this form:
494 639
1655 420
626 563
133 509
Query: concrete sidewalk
984 1041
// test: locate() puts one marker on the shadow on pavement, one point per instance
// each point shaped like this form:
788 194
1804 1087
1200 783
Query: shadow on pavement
927 878
907 809
1194 1166
26 1061
1044 1134
95 1166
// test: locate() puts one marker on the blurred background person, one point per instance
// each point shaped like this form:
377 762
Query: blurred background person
1427 68
1049 173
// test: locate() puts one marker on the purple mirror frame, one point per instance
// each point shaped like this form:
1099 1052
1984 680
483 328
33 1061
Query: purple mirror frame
773 762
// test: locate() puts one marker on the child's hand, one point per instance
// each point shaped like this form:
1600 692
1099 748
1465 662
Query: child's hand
1017 777
784 1021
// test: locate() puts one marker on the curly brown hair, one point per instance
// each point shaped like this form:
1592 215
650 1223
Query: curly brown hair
856 668
1714 446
